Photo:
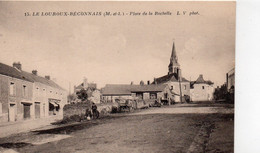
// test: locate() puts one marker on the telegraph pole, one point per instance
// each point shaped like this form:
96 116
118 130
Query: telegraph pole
179 76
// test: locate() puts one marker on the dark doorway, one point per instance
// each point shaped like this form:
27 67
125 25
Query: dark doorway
26 111
37 109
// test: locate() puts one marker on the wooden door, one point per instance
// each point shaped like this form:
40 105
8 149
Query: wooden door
26 113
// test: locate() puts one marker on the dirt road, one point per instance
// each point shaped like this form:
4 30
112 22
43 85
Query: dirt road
167 129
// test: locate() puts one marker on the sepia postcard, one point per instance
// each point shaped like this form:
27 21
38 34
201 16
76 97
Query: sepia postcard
117 76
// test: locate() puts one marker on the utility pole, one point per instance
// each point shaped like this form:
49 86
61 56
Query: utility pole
179 77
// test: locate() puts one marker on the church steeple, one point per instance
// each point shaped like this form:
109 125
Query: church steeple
174 65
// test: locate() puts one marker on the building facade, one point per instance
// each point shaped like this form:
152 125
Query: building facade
25 95
201 90
230 76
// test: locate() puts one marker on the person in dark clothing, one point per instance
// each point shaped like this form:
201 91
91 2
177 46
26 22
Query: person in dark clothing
95 111
88 113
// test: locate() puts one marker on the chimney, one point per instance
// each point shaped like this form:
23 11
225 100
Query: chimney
154 80
141 82
148 82
17 65
132 82
85 83
34 72
47 77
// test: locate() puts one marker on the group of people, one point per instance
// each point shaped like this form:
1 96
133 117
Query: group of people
92 113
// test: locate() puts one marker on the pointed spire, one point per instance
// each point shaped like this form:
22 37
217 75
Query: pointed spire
174 55
173 60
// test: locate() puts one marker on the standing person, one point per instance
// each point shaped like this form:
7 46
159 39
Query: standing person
88 113
94 110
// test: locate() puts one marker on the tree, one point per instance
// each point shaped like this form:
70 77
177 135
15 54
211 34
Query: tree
82 94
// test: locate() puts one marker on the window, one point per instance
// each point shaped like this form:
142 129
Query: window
203 87
50 91
171 87
139 95
12 88
153 95
24 90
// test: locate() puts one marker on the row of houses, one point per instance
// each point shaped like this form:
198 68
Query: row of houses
170 87
25 95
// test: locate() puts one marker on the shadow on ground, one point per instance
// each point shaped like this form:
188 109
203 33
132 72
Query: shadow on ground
15 145
76 126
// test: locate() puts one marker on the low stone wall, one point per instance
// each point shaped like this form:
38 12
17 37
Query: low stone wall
75 109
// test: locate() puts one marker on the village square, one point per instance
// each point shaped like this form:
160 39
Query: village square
117 77
167 114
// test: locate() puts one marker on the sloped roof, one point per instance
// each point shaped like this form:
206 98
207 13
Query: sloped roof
200 80
13 72
37 78
91 85
123 89
149 88
169 77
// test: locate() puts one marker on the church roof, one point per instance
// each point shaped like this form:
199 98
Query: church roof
169 77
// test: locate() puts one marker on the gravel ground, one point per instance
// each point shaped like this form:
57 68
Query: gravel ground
167 129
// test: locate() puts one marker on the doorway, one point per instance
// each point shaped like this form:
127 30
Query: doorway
12 113
26 111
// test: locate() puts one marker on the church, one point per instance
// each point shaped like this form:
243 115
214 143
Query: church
179 86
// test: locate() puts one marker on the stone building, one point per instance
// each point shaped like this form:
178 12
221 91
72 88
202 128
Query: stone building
230 76
26 95
176 83
15 94
143 92
201 90
94 94
48 97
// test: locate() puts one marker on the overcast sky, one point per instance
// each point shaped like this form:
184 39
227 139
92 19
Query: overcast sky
118 49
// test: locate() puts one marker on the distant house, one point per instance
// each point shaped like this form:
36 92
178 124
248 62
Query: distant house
85 85
26 95
201 90
91 88
176 83
145 92
95 96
